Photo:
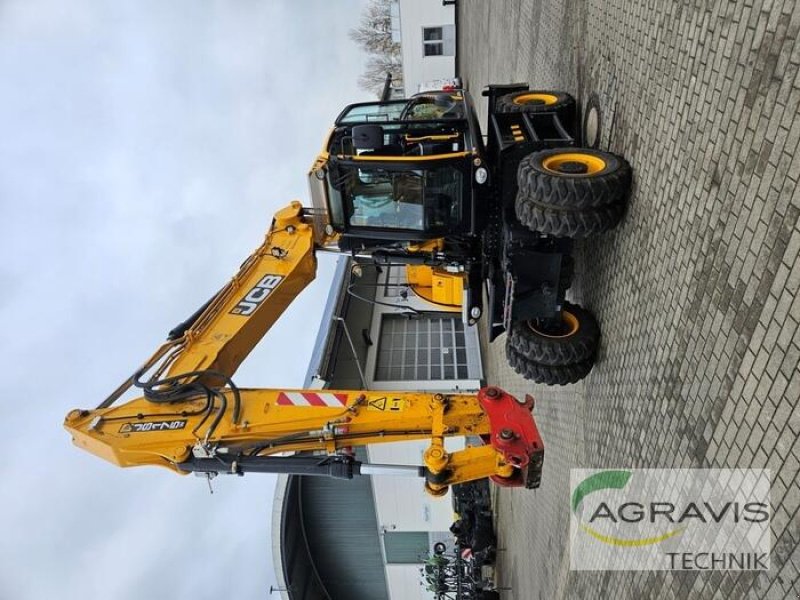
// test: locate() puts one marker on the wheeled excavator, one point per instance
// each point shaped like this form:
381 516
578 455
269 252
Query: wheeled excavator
409 182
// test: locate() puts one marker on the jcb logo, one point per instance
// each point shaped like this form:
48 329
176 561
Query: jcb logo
152 426
256 296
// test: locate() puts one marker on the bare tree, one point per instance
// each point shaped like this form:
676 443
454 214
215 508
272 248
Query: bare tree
374 32
374 35
374 75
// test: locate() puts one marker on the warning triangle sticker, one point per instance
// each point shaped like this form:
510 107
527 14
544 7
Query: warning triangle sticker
379 403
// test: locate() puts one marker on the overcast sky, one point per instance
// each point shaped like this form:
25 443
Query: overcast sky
145 146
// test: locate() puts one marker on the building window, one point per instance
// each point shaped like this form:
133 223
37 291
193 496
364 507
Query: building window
431 347
432 41
406 547
439 40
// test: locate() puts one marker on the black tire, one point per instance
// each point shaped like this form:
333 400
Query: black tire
575 347
516 102
548 375
569 223
439 548
551 188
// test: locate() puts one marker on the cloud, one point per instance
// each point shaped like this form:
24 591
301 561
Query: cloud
145 147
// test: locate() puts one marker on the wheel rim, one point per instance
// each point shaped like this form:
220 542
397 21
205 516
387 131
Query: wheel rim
569 323
557 162
535 98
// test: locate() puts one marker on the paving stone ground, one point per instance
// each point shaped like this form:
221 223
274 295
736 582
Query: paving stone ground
696 291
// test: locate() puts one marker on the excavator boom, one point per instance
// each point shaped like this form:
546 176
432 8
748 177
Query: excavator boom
192 417
239 315
200 434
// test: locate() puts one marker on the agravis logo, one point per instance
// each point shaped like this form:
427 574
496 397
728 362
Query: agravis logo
665 519
611 480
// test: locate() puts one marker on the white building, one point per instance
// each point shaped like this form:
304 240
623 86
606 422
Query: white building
426 32
366 538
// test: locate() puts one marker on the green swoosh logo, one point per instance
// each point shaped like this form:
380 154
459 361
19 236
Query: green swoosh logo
599 481
611 480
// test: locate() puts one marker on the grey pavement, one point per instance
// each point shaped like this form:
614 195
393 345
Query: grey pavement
696 291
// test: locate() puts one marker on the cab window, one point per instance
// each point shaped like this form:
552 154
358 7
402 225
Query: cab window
418 200
367 113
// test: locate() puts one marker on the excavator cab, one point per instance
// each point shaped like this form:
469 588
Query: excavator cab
400 171
410 182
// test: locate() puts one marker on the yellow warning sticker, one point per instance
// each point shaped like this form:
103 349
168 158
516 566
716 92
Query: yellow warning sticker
387 404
